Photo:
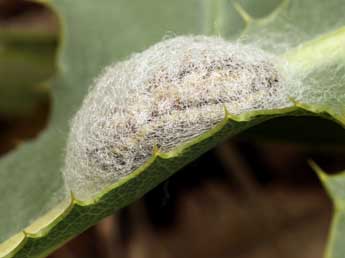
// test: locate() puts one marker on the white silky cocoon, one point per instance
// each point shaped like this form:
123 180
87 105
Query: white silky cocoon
165 96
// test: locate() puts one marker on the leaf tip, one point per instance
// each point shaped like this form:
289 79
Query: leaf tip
321 174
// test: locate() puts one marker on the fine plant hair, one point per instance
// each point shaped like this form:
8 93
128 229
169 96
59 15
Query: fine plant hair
165 96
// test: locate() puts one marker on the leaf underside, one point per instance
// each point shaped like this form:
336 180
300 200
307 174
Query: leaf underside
95 33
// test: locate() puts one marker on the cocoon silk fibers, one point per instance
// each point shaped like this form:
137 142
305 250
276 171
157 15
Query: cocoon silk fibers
165 96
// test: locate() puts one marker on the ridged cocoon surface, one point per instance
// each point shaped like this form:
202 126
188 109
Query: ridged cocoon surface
165 96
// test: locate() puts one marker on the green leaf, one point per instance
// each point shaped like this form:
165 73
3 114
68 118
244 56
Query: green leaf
24 76
34 202
335 185
27 55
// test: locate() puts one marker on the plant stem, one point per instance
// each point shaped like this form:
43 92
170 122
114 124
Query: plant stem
214 17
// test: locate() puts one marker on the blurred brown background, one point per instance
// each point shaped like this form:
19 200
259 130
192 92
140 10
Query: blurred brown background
244 199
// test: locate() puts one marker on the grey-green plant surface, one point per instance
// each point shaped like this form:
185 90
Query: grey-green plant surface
37 215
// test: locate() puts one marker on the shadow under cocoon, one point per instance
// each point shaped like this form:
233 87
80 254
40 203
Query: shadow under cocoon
318 139
308 130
